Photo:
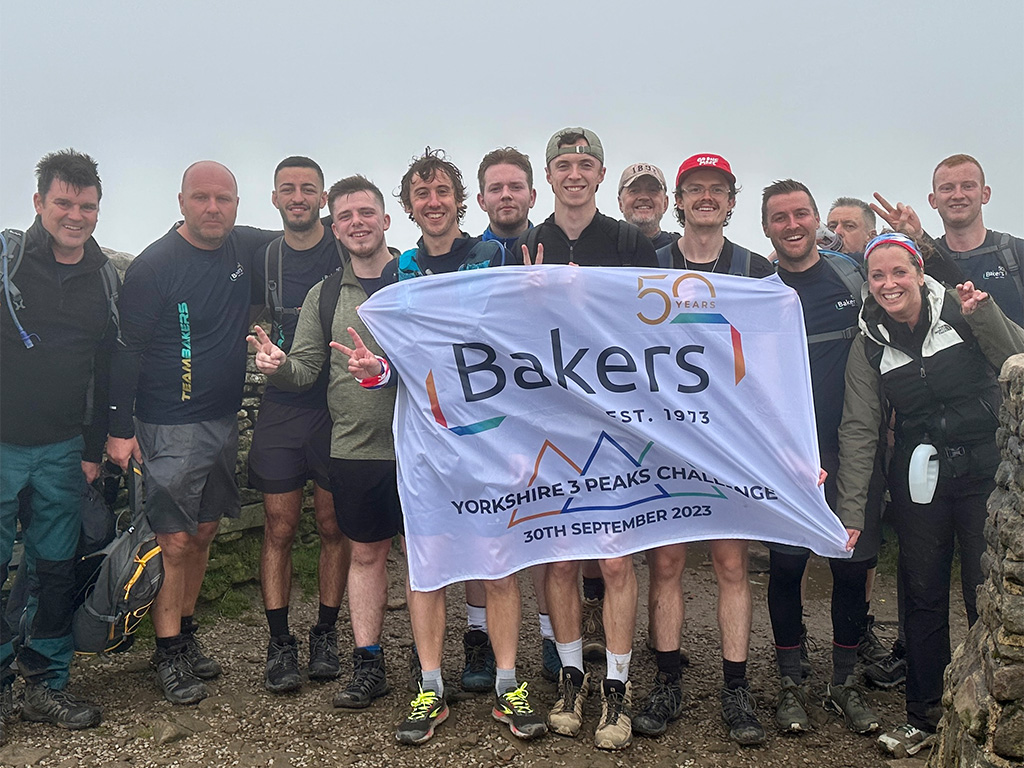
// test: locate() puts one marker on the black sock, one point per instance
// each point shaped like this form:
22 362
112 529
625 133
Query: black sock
576 675
328 616
593 589
735 672
670 663
188 625
277 618
167 643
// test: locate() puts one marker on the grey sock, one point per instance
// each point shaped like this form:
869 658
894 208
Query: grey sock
843 661
431 681
789 664
505 681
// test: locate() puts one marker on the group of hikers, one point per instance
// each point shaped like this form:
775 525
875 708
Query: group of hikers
905 336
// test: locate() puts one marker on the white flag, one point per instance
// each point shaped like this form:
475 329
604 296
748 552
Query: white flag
552 413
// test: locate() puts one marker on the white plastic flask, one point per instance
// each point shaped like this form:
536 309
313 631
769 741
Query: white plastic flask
924 474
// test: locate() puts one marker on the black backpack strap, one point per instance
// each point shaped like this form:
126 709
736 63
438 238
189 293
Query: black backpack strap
13 251
740 261
330 292
343 256
852 279
111 284
664 255
846 333
1010 260
271 287
627 241
531 241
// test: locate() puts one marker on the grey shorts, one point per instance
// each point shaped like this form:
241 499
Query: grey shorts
189 471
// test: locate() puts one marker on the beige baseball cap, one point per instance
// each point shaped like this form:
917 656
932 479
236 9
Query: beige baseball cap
636 170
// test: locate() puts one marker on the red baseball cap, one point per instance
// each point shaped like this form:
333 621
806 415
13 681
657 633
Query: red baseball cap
705 162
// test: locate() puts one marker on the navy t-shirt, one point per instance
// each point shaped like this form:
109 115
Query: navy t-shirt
828 306
184 317
300 271
988 274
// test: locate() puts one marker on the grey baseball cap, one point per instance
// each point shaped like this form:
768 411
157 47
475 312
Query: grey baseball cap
594 145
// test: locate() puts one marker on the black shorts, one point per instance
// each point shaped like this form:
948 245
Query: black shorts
366 499
189 471
290 446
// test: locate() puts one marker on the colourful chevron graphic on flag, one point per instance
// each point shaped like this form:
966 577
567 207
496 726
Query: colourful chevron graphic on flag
713 318
469 429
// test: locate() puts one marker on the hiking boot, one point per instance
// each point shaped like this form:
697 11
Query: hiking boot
324 663
478 674
551 663
566 716
791 707
46 705
282 671
513 708
428 711
738 713
174 671
905 741
662 705
203 666
415 671
9 708
847 701
870 649
369 680
615 729
890 671
593 629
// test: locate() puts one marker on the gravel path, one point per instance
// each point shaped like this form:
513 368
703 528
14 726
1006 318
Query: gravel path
243 725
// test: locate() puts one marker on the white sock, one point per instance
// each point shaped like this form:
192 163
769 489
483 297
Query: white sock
476 617
618 665
571 654
546 631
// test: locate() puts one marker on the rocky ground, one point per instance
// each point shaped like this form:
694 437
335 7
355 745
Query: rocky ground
243 725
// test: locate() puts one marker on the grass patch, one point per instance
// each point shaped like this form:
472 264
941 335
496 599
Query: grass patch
306 567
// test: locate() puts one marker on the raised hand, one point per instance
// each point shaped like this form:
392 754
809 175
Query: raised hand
970 297
902 218
540 256
269 356
362 363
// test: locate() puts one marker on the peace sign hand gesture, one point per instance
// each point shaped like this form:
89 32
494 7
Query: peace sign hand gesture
269 356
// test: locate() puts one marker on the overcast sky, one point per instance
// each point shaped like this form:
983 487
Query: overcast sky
847 97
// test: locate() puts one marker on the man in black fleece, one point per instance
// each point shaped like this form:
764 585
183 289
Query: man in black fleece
56 344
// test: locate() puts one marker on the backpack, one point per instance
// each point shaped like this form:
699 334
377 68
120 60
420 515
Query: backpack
740 264
628 236
273 288
13 249
128 574
99 525
853 278
1008 257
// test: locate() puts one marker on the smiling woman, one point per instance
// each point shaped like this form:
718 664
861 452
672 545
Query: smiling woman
930 356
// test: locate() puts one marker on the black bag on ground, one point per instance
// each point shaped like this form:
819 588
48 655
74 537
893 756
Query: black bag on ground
128 575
